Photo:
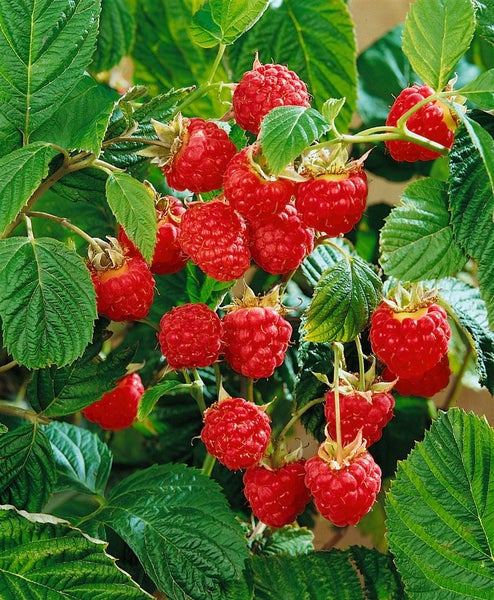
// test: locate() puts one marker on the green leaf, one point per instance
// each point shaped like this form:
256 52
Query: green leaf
45 49
47 302
21 173
202 288
27 468
68 564
315 38
154 393
289 541
485 19
179 525
441 511
344 298
480 90
82 460
417 240
287 130
116 34
318 576
205 31
132 203
382 581
437 34
472 199
323 257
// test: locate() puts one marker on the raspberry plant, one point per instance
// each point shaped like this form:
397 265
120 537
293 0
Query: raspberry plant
105 106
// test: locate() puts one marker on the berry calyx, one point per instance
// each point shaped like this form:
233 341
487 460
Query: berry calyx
433 121
190 336
426 385
264 88
236 432
117 409
276 495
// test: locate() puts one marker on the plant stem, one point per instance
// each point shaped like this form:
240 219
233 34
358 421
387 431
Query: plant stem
101 505
217 375
23 413
8 366
196 389
337 414
208 465
150 323
65 223
361 365
217 60
452 397
296 416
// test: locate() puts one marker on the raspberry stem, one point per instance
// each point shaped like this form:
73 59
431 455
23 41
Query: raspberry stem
361 365
196 388
208 464
338 353
8 366
217 60
6 408
295 417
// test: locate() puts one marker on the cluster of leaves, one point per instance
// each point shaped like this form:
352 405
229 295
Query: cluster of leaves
69 169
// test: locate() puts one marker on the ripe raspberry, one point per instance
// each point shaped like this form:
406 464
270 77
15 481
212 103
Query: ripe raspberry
256 338
264 88
236 432
249 190
333 203
368 411
117 409
343 493
123 282
433 121
427 385
215 237
409 343
277 496
190 336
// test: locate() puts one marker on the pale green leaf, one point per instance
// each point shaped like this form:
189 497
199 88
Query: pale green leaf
45 48
154 393
179 525
287 130
417 240
437 34
27 468
116 34
132 203
21 173
480 90
43 557
441 511
47 302
204 30
82 460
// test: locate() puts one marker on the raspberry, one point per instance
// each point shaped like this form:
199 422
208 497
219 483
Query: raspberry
427 385
409 342
333 203
236 432
264 88
277 496
123 282
343 493
249 190
214 235
190 336
433 121
117 409
369 411
281 242
255 339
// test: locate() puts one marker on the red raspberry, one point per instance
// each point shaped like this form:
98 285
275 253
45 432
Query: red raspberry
123 282
409 343
343 493
369 411
263 88
333 203
190 336
433 121
427 385
117 409
215 237
249 190
255 340
277 496
236 432
281 242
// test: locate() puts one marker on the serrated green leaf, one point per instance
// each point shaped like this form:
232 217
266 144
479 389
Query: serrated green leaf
68 564
417 240
437 34
47 302
154 393
480 90
132 203
179 525
344 298
82 460
21 173
27 468
286 131
45 49
289 541
382 581
205 31
441 511
323 257
116 35
472 199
